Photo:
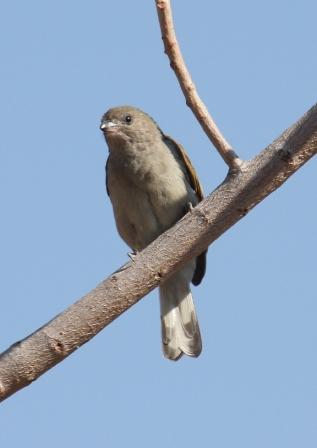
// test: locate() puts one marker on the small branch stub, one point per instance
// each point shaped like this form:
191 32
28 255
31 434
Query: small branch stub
193 100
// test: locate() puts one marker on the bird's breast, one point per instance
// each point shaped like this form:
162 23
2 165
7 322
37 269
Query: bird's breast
149 193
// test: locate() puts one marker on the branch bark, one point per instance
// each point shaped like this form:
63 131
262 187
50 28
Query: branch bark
193 100
26 360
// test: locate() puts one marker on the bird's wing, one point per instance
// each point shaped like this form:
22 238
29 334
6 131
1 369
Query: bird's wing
189 169
107 188
196 186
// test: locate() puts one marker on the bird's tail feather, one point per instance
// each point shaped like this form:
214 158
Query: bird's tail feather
180 328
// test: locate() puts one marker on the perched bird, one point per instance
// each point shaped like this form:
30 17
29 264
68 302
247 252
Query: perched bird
152 183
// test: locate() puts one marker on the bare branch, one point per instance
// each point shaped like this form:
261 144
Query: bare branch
28 359
193 100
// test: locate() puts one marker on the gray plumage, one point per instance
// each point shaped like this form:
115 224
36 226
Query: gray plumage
151 182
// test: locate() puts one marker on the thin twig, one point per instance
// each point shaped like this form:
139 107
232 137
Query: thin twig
193 100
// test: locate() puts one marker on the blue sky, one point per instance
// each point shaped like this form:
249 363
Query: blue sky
62 65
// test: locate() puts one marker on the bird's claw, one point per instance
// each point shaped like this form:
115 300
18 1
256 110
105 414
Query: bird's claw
132 255
190 207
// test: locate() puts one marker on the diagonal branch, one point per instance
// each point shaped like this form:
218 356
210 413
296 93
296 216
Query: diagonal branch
193 100
26 360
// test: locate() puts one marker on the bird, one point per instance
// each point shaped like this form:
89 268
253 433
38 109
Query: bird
152 184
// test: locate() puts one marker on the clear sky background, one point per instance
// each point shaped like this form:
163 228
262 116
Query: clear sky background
62 65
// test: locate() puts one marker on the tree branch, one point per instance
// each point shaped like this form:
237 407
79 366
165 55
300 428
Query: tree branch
193 100
26 360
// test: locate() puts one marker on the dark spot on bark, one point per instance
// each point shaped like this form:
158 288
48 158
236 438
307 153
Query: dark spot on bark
242 211
57 346
284 154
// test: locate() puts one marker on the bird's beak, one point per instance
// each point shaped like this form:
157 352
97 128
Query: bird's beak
107 125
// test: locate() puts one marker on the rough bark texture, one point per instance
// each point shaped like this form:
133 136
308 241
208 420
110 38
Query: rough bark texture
26 360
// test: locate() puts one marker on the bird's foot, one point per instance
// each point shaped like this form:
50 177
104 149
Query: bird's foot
133 254
190 207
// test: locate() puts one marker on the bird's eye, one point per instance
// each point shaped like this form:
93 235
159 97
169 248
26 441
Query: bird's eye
128 119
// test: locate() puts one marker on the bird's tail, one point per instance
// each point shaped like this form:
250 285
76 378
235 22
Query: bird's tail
180 329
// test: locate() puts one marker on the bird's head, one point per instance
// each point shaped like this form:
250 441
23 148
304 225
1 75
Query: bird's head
125 124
